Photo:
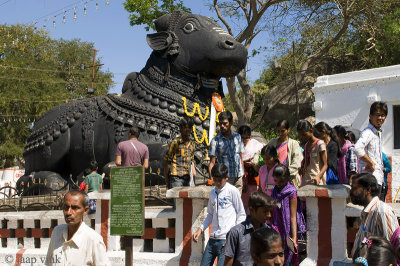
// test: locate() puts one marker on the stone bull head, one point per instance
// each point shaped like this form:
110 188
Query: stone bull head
195 44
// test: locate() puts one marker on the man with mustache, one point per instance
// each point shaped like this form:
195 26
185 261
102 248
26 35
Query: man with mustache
75 243
377 218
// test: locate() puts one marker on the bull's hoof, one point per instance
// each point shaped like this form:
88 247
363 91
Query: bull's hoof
40 183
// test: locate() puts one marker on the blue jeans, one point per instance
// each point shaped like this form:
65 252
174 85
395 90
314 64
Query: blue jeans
213 249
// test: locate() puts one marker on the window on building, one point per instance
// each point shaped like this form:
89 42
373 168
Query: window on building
396 124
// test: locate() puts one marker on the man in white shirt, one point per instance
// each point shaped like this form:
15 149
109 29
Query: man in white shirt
74 243
224 210
369 146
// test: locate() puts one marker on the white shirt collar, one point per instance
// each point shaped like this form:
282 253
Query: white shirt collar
374 129
371 204
77 238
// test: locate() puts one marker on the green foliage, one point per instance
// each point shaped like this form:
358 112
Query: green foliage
144 12
269 131
371 40
228 103
36 74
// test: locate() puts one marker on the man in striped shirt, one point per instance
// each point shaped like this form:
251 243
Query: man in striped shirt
377 218
369 145
179 160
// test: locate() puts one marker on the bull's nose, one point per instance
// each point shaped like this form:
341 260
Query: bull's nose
227 44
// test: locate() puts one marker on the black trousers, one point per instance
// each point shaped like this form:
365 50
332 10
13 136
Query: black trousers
383 191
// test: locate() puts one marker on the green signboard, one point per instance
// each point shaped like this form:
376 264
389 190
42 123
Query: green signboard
127 204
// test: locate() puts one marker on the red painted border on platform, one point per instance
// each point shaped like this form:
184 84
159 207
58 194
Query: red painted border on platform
149 233
104 221
20 233
183 194
4 233
187 231
36 232
324 231
170 232
321 193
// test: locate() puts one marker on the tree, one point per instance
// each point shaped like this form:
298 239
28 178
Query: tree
316 26
146 11
364 37
36 74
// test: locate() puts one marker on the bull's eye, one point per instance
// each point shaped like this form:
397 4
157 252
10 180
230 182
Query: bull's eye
189 27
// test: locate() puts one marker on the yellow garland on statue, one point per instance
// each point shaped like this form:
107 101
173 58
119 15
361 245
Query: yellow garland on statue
203 137
217 117
196 106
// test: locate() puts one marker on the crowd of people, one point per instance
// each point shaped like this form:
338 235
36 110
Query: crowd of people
266 177
255 215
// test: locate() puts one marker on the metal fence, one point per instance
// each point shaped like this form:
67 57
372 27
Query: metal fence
41 196
33 196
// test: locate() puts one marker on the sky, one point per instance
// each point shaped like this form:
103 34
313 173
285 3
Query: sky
121 47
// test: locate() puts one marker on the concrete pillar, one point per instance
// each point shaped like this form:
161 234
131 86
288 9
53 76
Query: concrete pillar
326 223
102 220
190 205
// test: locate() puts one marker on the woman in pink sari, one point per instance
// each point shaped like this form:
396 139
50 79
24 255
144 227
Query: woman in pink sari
252 148
289 151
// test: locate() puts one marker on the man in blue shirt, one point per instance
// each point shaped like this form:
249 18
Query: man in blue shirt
237 248
227 148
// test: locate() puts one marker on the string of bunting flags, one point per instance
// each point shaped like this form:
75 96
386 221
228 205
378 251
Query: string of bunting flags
18 38
63 12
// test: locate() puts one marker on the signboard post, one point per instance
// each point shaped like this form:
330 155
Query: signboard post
127 205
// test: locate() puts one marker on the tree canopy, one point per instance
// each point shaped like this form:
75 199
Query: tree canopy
336 39
36 74
330 36
144 12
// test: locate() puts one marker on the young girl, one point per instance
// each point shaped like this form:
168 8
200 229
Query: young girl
323 131
378 251
289 151
252 149
288 217
315 158
266 247
270 157
348 151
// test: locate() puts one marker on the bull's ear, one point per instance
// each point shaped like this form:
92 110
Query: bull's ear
162 23
159 41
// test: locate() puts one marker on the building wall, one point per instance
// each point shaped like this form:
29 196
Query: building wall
345 99
10 176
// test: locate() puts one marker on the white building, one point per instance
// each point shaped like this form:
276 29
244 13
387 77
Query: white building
345 99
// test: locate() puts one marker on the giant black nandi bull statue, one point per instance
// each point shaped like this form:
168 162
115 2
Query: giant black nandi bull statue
191 54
